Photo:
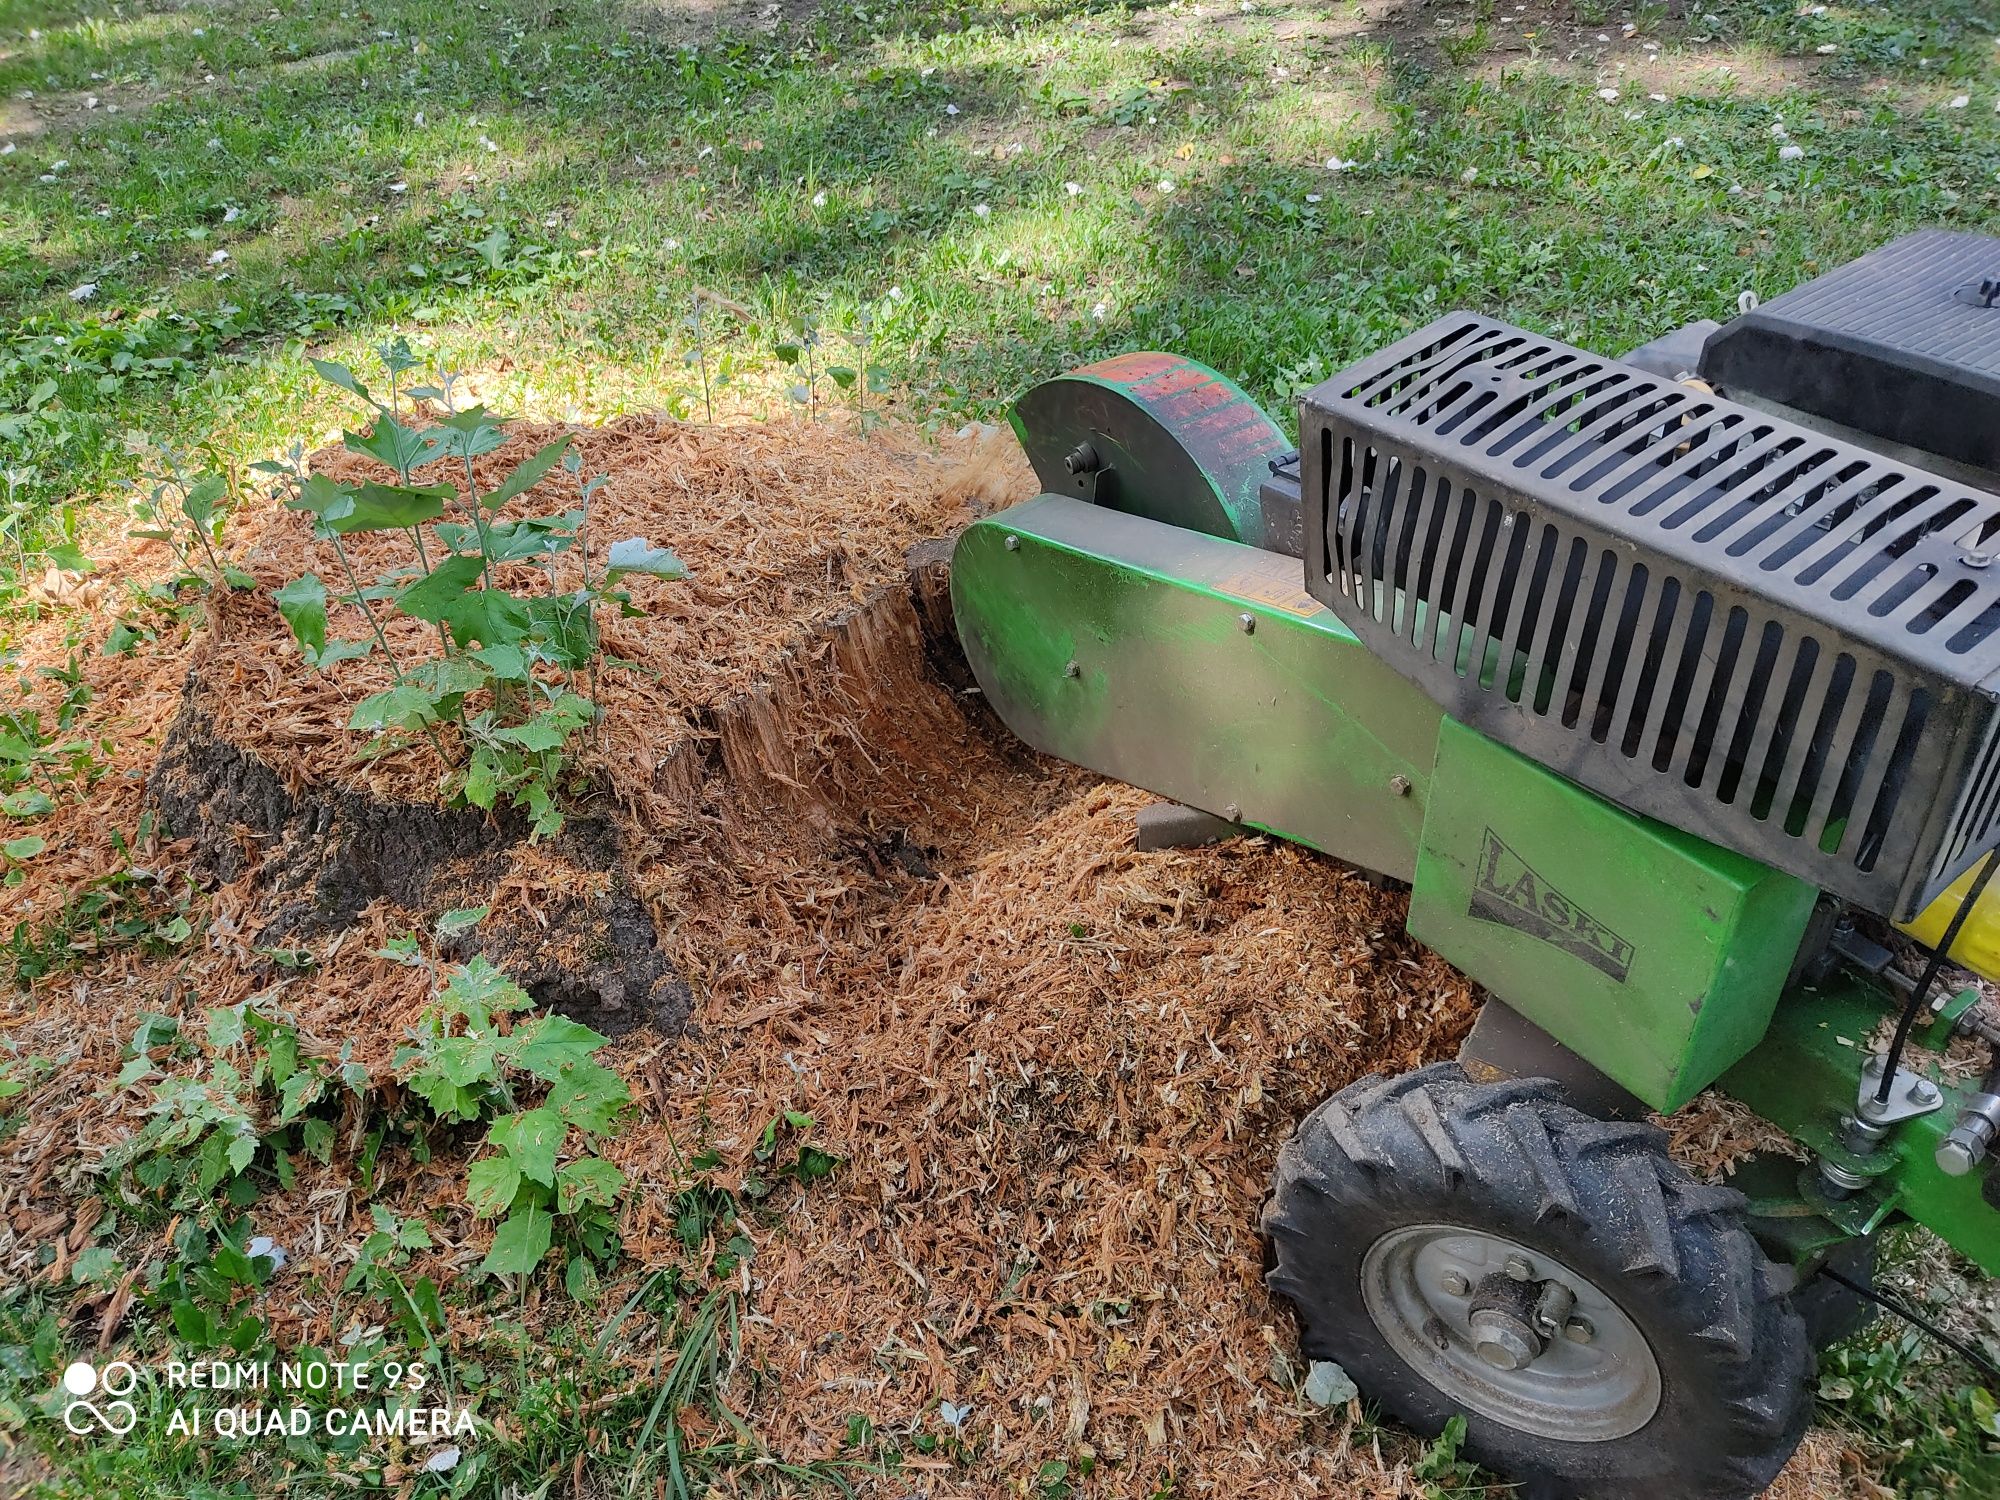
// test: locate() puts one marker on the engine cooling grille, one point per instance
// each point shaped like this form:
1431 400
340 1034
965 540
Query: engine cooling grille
1780 641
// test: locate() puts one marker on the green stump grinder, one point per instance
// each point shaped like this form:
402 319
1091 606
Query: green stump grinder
1669 685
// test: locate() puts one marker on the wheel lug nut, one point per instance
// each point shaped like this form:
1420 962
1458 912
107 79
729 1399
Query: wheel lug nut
1518 1269
1579 1331
1455 1284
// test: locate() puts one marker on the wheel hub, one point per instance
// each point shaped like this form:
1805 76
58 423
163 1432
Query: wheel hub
1510 1333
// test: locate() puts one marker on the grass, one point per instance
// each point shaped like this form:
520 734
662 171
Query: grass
536 193
544 194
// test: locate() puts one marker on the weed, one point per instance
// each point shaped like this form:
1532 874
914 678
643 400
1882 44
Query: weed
501 699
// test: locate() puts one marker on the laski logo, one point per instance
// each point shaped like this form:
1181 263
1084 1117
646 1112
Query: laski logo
1506 889
116 1417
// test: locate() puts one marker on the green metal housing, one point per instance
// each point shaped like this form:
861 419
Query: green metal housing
1197 667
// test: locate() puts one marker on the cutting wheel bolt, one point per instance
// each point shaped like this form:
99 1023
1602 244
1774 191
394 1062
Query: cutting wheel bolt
1579 1331
1518 1269
1012 544
1400 785
1455 1284
1248 622
1072 670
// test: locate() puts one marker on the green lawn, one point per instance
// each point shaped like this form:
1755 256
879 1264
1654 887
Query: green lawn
195 197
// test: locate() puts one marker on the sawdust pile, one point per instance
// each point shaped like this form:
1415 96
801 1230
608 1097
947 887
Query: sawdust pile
1056 1070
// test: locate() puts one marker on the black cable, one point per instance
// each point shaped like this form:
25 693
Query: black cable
1895 1305
1914 1006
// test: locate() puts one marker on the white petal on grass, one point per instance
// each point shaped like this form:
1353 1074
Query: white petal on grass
1073 188
83 291
399 187
982 209
441 1461
1312 197
1099 310
1960 101
1827 49
1335 164
1166 184
217 257
819 200
1790 153
1470 174
951 109
1609 96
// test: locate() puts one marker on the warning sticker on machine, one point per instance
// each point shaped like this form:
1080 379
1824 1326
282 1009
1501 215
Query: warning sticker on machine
1506 890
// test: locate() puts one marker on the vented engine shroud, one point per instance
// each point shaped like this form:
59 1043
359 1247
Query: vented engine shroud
1779 641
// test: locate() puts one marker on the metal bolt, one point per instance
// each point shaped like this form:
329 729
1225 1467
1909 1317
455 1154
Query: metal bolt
1400 785
1248 622
1502 1342
1233 813
1082 459
1012 544
1922 1091
1518 1269
1579 1331
1455 1284
1977 559
1072 670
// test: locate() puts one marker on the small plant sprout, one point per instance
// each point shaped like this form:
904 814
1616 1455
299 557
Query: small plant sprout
500 699
802 352
185 507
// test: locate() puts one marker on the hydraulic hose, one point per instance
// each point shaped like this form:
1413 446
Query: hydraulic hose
1914 1006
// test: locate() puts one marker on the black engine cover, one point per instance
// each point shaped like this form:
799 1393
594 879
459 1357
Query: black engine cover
1903 343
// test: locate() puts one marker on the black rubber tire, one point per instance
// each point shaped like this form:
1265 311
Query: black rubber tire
1832 1313
1511 1159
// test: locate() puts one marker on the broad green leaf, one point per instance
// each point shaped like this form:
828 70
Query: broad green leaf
303 604
548 1044
401 707
432 597
469 433
520 1243
481 780
448 676
531 1138
339 651
399 447
199 502
338 374
512 542
564 628
490 1185
840 375
242 1151
589 1096
541 733
225 1027
29 802
327 502
461 919
590 1179
69 557
527 474
492 617
506 662
636 555
390 507
477 986
25 847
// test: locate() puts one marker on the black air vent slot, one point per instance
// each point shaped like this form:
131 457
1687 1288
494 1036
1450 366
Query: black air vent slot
1748 630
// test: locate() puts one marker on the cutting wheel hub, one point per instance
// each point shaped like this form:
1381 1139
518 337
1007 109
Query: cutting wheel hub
1510 1334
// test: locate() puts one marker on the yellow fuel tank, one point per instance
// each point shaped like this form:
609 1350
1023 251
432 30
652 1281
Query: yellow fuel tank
1978 945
